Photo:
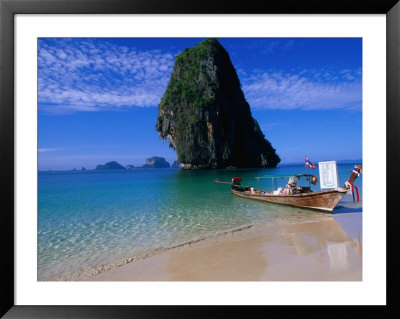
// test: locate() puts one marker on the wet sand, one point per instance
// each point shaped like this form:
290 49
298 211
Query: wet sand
327 248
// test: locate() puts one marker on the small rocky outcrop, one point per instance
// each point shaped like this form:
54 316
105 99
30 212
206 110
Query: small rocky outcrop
156 162
205 116
110 166
129 166
175 164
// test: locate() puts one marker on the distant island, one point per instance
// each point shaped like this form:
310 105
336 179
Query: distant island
205 116
175 164
156 162
152 162
110 166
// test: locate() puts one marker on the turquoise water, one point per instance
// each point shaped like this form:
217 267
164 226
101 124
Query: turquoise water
99 219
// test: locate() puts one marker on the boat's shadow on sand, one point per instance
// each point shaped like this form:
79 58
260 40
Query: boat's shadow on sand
347 208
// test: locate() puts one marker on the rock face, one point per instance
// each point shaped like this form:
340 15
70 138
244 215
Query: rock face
175 164
110 165
205 115
156 162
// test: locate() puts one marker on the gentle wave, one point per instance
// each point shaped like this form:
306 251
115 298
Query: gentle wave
93 271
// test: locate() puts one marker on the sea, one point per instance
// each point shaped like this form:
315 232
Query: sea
91 221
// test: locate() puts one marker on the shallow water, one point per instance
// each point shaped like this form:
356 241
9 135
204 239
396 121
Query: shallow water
90 219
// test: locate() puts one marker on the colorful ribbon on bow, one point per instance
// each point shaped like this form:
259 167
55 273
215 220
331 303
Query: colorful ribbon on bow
351 187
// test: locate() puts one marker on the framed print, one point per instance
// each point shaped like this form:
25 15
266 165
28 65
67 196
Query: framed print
163 153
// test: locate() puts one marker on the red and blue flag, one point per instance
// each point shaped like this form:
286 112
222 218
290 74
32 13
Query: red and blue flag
309 164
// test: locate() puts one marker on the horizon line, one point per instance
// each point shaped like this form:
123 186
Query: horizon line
342 161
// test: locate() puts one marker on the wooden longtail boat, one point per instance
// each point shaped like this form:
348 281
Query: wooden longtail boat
322 200
304 197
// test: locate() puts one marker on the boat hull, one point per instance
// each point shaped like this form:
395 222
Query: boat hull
324 201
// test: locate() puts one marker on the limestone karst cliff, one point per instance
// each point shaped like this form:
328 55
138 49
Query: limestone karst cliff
205 116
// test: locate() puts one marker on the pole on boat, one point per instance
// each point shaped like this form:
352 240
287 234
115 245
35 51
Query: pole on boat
219 182
305 157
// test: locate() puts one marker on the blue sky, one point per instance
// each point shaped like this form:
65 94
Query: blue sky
98 98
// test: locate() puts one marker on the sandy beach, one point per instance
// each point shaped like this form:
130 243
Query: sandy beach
324 248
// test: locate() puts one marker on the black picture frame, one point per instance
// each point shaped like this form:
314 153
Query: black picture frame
9 8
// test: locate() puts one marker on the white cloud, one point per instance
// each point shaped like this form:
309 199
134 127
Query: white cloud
90 75
46 150
307 90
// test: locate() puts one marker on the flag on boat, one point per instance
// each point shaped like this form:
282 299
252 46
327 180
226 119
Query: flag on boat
309 164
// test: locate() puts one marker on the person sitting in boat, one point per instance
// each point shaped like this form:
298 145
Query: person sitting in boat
291 186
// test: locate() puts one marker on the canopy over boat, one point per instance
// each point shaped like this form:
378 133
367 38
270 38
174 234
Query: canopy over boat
283 176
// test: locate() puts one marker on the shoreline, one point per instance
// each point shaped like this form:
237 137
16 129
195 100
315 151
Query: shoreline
195 242
318 248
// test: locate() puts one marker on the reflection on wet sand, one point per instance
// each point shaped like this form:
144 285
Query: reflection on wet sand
322 247
316 249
